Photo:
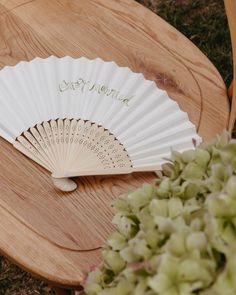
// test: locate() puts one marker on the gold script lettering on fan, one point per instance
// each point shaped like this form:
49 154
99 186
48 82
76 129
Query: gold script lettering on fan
78 117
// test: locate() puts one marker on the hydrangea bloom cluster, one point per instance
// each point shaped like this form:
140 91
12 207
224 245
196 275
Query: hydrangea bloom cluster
176 236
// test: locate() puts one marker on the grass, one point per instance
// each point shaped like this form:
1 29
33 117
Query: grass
204 23
14 281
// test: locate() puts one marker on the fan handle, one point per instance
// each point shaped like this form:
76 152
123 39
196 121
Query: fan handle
64 184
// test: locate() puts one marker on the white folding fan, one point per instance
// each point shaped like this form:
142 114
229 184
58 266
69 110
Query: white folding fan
88 117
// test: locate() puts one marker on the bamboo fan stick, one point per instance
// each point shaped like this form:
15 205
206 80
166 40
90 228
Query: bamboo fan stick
114 171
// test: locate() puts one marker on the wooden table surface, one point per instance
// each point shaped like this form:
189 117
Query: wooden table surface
54 235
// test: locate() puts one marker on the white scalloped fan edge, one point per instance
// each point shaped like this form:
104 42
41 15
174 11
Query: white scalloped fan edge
142 117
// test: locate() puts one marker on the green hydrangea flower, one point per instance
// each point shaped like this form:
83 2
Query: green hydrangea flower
176 236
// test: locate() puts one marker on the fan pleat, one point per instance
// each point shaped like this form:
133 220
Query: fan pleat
13 114
152 141
51 88
125 111
6 133
116 109
26 93
153 155
149 133
103 103
39 96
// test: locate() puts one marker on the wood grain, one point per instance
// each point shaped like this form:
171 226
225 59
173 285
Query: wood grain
186 72
230 6
52 234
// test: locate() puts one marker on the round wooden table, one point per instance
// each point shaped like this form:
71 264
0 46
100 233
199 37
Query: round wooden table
57 236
